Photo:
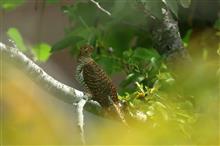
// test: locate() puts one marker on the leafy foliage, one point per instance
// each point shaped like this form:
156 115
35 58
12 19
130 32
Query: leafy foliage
149 91
15 35
41 51
155 107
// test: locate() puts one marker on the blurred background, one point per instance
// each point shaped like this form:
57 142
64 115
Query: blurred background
188 115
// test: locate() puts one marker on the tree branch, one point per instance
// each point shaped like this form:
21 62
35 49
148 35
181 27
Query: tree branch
167 40
102 9
61 91
166 36
79 110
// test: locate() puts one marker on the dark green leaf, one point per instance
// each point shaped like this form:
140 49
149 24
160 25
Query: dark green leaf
185 3
70 40
187 36
172 5
15 35
154 7
118 7
217 24
42 51
118 37
131 78
78 36
145 54
109 64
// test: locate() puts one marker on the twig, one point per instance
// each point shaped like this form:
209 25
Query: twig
102 9
61 91
80 117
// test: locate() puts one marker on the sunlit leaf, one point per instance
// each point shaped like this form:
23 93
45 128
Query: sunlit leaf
15 35
10 4
42 51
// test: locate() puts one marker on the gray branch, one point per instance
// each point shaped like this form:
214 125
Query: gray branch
59 90
166 36
80 117
167 39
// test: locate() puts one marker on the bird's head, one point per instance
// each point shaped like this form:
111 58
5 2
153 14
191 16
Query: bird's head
85 52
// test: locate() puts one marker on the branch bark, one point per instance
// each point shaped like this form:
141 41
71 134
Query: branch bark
80 117
167 40
166 36
59 90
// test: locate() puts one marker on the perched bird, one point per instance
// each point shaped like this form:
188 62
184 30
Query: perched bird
97 83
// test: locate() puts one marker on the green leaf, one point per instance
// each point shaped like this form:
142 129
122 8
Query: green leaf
109 64
187 37
15 35
77 37
172 5
131 78
42 51
217 24
154 7
10 4
81 13
185 3
145 54
70 40
118 37
118 7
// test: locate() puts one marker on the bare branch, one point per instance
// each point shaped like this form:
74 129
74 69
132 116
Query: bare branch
38 75
80 117
102 9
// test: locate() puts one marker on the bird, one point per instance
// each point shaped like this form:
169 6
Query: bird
98 84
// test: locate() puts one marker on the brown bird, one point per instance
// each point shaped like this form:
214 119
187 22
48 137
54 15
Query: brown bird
97 83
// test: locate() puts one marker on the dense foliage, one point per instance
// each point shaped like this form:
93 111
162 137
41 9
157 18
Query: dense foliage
152 94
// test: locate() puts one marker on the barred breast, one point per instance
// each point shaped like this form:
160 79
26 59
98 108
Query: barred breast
99 84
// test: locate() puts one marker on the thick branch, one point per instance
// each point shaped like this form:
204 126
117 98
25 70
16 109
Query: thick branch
38 75
166 36
79 110
167 39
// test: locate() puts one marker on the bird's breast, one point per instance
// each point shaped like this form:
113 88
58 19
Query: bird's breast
100 85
